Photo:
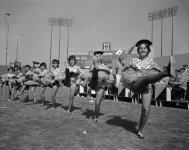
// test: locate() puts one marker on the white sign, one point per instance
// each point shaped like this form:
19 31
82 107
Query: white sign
106 46
119 52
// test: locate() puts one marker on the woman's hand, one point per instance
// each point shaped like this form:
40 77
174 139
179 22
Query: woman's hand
151 48
131 49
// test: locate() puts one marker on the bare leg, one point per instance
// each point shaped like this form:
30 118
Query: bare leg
33 88
99 97
10 90
12 87
13 92
26 95
42 91
87 79
22 89
73 89
144 81
53 95
146 102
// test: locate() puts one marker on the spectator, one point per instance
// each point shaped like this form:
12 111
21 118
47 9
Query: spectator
180 87
185 66
119 65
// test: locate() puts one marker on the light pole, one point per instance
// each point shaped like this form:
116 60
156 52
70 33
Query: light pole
69 24
7 35
7 14
60 22
59 43
160 14
17 47
50 48
52 23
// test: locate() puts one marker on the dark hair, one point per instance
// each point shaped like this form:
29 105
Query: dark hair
56 61
181 69
43 64
10 68
72 57
185 65
36 62
27 66
98 52
19 68
146 45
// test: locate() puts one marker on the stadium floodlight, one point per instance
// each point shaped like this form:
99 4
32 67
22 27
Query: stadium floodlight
161 14
17 39
7 14
60 22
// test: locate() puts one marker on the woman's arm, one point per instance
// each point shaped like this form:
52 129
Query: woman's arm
130 50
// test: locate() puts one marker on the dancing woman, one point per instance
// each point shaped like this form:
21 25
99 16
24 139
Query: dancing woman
41 76
34 84
16 86
25 88
73 79
99 77
139 75
54 78
7 79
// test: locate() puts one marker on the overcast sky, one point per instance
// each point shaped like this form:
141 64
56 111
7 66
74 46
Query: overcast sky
121 22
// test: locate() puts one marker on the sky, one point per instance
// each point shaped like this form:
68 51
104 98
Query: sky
121 22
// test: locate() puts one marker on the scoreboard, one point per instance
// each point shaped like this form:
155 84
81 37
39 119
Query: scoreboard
84 60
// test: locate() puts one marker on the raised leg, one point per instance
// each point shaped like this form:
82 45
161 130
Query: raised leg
145 80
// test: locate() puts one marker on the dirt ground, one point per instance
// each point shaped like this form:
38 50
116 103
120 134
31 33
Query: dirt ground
27 126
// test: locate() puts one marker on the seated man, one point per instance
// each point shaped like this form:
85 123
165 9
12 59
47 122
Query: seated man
179 88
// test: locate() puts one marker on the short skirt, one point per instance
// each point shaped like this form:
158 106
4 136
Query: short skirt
103 80
130 75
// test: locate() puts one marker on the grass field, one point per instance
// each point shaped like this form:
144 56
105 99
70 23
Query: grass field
27 126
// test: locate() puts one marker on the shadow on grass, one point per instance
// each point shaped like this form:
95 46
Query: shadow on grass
73 108
29 101
50 105
90 113
126 124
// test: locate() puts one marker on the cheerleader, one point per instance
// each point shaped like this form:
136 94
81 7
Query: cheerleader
139 75
43 72
7 78
73 79
32 81
14 82
53 80
24 90
99 78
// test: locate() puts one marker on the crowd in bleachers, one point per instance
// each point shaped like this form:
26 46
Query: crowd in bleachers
179 83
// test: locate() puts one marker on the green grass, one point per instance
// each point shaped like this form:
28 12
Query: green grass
24 126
